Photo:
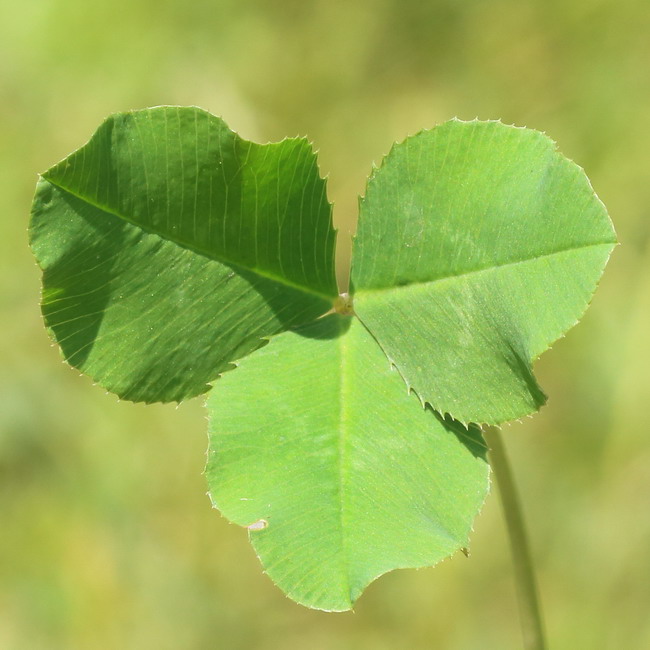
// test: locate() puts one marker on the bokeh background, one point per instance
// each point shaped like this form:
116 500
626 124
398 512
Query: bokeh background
107 539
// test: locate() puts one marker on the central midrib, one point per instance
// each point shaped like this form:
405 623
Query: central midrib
342 455
493 267
222 259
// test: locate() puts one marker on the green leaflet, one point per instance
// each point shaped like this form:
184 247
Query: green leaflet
478 246
170 247
316 442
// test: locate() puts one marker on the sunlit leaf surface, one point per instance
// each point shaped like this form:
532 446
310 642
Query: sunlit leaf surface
339 473
478 246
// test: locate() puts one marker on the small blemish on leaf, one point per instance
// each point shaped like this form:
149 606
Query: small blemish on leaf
260 524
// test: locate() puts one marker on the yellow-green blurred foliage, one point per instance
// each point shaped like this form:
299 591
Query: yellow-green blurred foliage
107 539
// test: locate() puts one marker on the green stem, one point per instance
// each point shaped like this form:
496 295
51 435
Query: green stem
529 608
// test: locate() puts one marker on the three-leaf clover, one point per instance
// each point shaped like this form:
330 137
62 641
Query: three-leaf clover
173 252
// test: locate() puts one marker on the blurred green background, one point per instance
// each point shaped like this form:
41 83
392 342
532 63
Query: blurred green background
107 539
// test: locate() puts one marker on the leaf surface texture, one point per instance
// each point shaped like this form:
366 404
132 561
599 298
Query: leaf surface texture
478 246
170 247
340 473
